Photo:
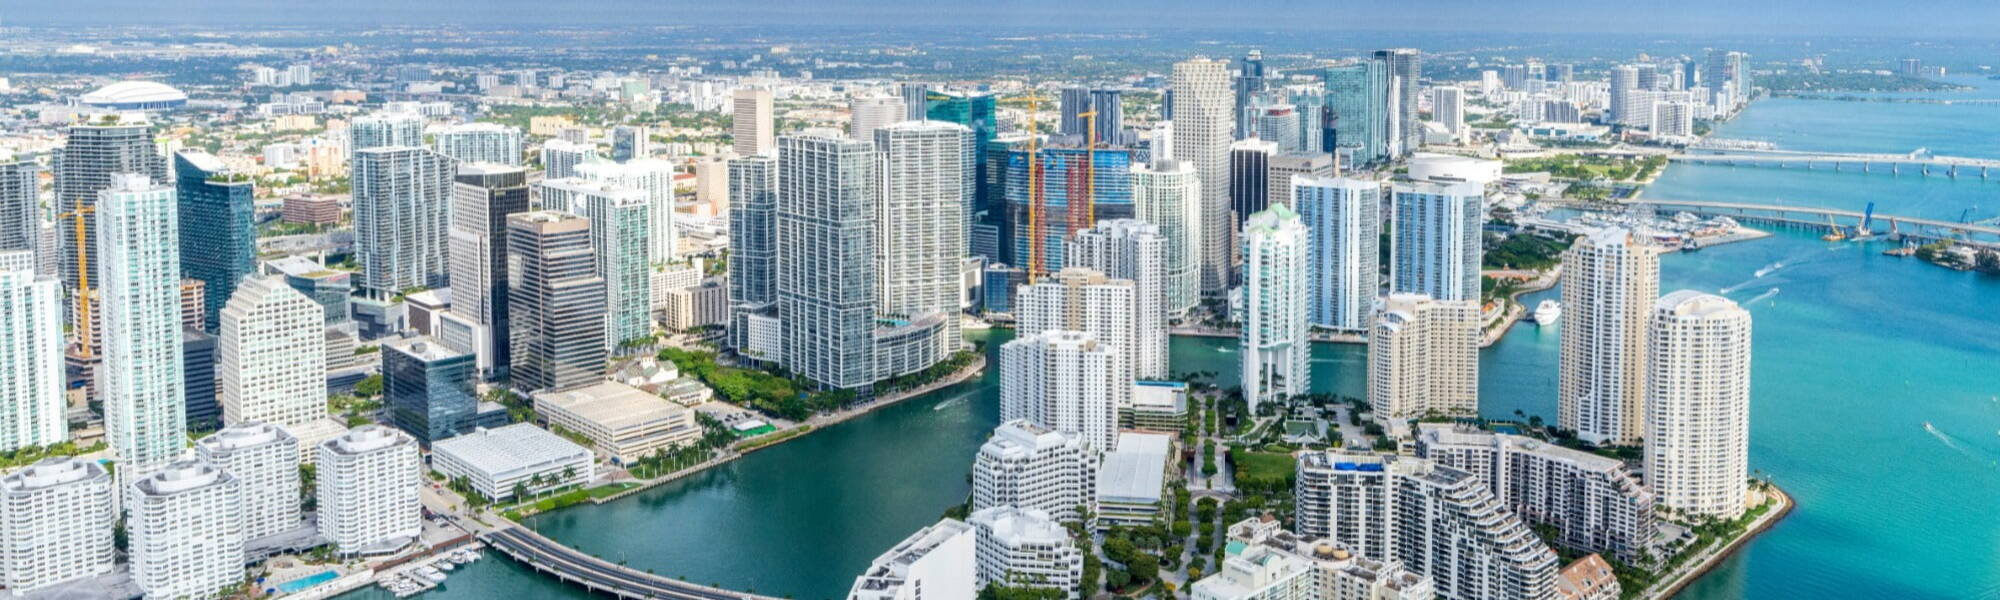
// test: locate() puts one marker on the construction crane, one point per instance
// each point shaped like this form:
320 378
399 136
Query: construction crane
82 277
1089 213
1035 237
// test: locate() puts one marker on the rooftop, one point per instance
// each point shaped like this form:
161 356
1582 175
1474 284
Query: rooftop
134 91
615 405
1136 471
510 448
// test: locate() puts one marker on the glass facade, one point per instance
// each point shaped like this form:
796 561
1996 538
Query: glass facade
1064 175
429 388
1358 95
218 229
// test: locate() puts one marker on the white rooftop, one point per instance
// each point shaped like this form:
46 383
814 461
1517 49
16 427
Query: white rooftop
510 448
1136 471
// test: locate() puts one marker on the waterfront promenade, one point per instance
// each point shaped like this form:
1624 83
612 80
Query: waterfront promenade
1670 584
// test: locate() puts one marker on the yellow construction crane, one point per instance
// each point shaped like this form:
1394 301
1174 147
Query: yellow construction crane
82 277
1035 238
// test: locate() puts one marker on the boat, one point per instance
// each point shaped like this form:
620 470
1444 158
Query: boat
1548 312
1691 245
432 574
445 565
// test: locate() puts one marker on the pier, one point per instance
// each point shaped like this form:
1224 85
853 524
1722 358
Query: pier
596 574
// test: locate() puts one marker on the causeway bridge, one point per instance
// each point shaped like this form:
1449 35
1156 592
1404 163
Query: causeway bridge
596 574
1920 161
1809 217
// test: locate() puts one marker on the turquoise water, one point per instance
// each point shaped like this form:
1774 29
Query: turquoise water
307 581
1854 354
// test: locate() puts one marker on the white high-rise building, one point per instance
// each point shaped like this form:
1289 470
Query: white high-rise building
385 129
1024 547
869 113
186 529
1275 348
1030 466
56 521
1068 381
920 221
1595 503
1388 507
1437 239
935 562
265 458
1202 108
367 490
1343 221
751 124
1080 299
1423 359
1265 562
1135 250
656 178
1169 194
32 406
619 236
273 354
1448 108
1673 119
1609 283
480 143
138 287
561 157
1698 404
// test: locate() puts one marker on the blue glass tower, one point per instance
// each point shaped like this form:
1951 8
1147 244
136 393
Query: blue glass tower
1358 95
218 228
1064 177
429 388
975 111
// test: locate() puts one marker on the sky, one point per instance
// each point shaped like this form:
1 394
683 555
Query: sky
1886 18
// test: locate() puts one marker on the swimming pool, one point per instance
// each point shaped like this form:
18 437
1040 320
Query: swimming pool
302 583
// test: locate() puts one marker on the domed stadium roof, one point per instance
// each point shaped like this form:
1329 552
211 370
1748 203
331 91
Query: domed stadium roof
136 94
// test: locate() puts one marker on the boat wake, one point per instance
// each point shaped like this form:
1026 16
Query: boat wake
952 401
1761 297
1770 268
1953 443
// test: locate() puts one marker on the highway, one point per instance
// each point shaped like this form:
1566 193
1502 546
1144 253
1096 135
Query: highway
597 574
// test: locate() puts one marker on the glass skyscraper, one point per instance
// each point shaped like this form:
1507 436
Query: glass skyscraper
1064 177
1358 95
976 111
218 228
429 388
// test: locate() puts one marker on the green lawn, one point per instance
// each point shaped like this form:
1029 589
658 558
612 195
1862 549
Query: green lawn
1255 469
570 497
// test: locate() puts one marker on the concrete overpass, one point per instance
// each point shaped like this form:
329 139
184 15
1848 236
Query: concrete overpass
1982 234
1920 161
596 574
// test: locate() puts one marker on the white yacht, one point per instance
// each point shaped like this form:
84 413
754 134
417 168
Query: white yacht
1548 312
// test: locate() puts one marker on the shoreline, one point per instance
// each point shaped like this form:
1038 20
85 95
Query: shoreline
1690 574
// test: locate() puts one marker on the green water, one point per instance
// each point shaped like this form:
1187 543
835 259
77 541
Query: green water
1853 356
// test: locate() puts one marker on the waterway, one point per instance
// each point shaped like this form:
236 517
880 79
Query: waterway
1876 404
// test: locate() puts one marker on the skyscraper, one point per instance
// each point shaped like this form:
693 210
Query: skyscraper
481 143
1358 96
1437 239
1081 299
978 112
555 302
385 129
140 378
619 237
367 490
1595 503
1167 193
20 205
827 198
32 406
1405 66
753 243
630 142
1074 102
751 123
402 212
61 514
1249 180
1610 281
1623 107
1275 274
482 197
428 388
1344 226
560 158
1135 250
869 113
920 222
1202 120
1279 124
1110 107
1448 108
1288 165
93 153
656 178
273 355
1698 403
1423 360
1067 176
1249 81
218 227
1029 466
1067 381
265 458
186 529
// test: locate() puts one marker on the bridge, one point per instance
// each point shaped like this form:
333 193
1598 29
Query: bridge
599 575
1920 161
1829 218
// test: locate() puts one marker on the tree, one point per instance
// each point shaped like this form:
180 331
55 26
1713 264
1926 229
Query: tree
369 387
520 491
996 591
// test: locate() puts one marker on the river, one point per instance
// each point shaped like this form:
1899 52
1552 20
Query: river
1875 403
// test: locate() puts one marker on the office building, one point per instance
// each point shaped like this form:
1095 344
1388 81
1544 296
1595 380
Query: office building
556 302
265 458
1028 466
1437 232
200 357
1262 561
1400 508
916 101
58 524
630 142
1698 404
367 491
1283 167
1404 67
1025 547
1157 406
827 198
1246 85
272 355
1276 270
137 285
1423 360
1279 124
751 124
654 176
1610 280
20 204
1202 122
920 222
402 215
218 230
1133 250
938 561
480 143
1249 181
1594 502
385 129
429 388
619 236
1167 194
1068 381
186 528
1358 96
624 422
482 197
94 153
1080 299
32 406
1343 228
503 461
1448 109
561 157
869 113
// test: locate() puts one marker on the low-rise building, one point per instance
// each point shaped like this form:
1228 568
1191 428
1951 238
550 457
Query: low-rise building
622 421
935 562
1157 406
311 209
1019 547
687 391
494 461
368 480
56 519
187 531
1588 578
1132 480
